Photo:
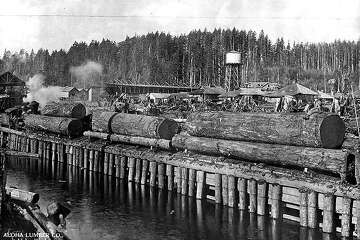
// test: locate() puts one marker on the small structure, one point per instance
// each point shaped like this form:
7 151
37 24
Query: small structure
293 90
265 86
232 70
82 94
12 90
68 92
95 92
209 92
325 96
158 97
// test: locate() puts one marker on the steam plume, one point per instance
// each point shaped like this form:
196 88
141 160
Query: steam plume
87 74
38 92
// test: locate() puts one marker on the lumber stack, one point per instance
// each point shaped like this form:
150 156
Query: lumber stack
323 130
134 125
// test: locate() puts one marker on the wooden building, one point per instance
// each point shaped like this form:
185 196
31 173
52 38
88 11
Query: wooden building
265 86
69 92
12 91
114 88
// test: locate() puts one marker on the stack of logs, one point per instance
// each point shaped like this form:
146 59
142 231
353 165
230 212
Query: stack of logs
229 148
287 140
64 118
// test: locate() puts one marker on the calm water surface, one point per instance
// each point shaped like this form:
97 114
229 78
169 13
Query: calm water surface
106 208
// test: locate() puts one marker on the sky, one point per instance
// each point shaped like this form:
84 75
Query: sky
55 24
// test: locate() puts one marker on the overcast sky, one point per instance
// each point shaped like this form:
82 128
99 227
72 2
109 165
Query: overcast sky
55 24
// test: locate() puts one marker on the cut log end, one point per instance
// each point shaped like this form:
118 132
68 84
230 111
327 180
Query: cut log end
332 132
75 128
78 111
168 128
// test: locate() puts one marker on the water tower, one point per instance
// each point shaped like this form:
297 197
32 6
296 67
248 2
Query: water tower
232 70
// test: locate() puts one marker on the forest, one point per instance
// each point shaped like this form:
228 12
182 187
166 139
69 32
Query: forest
195 59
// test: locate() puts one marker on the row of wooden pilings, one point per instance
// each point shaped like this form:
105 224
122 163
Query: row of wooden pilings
147 166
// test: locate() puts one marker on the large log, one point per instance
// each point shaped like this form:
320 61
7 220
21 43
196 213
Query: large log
148 142
66 126
22 195
64 109
331 160
101 121
134 125
322 130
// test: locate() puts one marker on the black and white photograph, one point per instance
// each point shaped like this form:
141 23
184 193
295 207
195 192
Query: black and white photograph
179 119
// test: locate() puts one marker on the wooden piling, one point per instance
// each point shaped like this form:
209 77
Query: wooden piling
117 166
152 174
28 146
218 189
224 190
53 157
276 201
2 139
357 215
178 179
81 157
144 171
91 160
106 163
184 181
75 156
242 193
170 177
346 217
192 180
47 155
97 162
9 141
261 197
40 160
303 210
60 152
131 164
70 156
328 213
231 191
161 175
86 159
123 162
252 195
111 164
357 167
312 209
53 154
200 182
138 170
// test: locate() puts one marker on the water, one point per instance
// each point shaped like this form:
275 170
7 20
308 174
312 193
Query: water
106 208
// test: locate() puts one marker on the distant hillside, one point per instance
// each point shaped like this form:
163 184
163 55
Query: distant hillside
196 58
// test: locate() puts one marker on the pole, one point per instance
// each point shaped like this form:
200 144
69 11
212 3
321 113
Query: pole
356 117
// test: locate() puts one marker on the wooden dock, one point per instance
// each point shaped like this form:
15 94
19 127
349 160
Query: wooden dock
315 200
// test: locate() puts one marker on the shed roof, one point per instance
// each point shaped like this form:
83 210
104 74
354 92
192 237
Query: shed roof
9 79
293 90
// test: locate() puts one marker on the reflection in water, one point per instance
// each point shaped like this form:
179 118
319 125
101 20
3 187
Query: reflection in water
104 207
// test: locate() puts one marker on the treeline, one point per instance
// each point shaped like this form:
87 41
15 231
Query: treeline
196 59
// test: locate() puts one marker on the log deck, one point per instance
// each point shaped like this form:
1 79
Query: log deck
227 181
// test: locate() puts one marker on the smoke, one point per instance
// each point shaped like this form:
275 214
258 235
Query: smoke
38 92
86 75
